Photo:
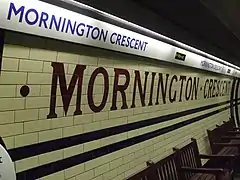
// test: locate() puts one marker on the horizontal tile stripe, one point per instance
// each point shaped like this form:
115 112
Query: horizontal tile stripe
57 144
60 165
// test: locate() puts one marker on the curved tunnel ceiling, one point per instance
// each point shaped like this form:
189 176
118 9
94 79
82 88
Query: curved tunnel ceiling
194 22
227 12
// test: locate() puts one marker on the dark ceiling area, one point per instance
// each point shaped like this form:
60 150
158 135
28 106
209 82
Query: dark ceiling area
209 25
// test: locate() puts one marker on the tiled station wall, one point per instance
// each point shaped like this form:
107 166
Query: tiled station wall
26 128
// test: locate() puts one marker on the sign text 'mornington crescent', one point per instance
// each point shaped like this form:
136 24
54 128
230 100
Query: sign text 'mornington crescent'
33 17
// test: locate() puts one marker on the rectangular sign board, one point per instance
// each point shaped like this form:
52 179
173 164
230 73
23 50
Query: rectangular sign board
42 19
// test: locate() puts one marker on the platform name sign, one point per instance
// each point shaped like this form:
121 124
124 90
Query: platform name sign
39 18
152 88
70 26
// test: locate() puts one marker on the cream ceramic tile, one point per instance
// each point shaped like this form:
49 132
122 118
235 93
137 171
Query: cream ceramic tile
72 151
98 178
30 66
42 54
26 139
11 129
88 60
47 67
9 142
110 174
50 135
73 171
68 57
35 126
8 77
7 91
15 51
50 157
62 122
26 115
101 169
71 131
117 162
39 78
91 145
86 175
37 102
26 164
98 162
6 117
10 64
91 126
100 116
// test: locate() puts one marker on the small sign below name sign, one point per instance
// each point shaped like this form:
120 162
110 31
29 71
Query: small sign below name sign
180 56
